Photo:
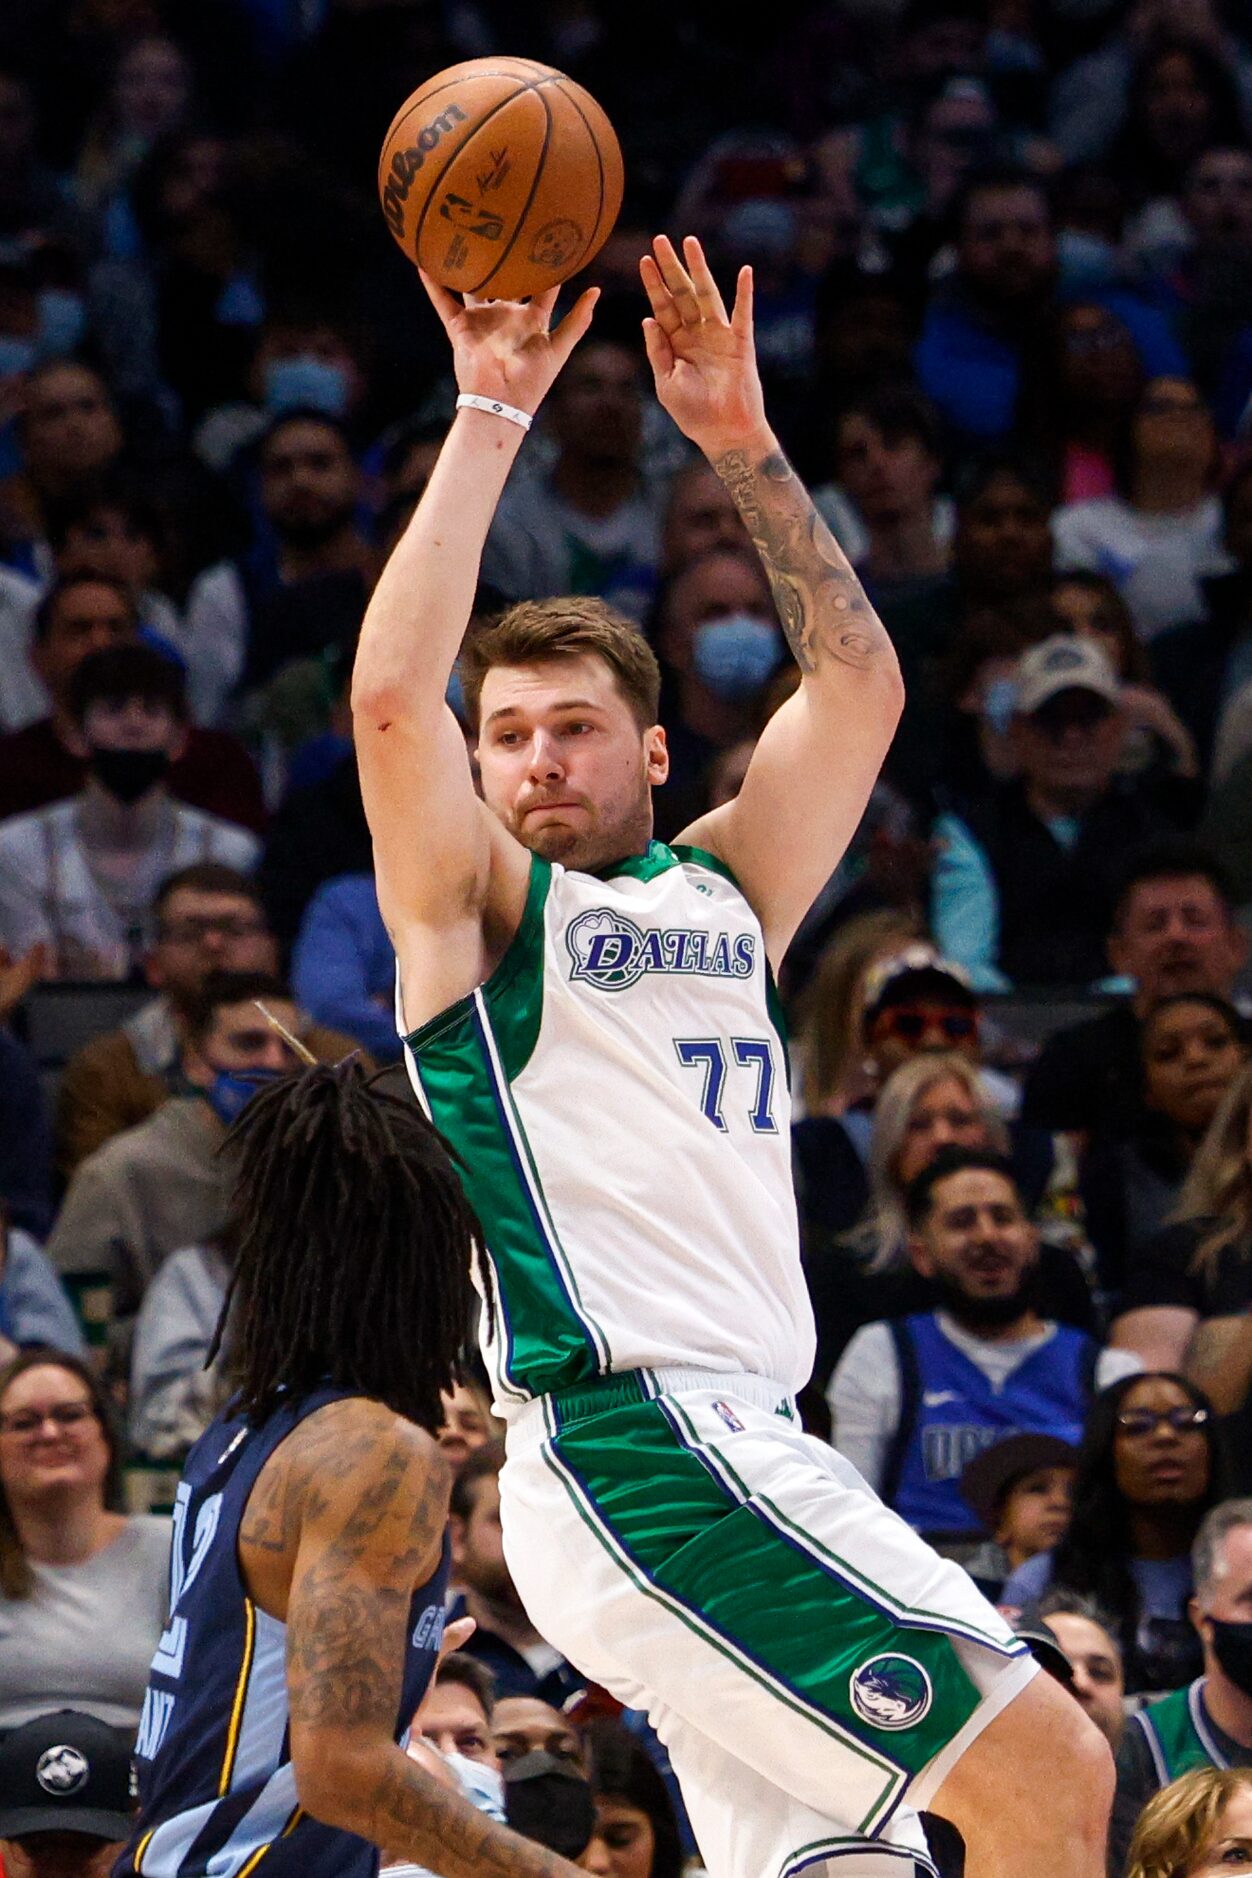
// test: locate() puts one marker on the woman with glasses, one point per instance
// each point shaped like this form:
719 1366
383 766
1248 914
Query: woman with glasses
82 1586
1148 1471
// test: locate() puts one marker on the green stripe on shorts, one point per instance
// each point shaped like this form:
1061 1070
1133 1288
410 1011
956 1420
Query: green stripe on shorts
893 1694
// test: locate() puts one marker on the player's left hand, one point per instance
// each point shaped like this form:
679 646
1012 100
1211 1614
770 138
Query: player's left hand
703 360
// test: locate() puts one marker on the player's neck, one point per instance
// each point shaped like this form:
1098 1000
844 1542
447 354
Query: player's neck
503 1618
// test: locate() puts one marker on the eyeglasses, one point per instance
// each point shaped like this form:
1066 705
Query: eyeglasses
190 931
911 1026
1146 1421
30 1421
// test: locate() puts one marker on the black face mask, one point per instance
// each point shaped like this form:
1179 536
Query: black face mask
550 1802
128 774
1232 1646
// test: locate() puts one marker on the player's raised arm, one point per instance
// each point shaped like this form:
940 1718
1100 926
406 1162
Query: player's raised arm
433 842
817 760
357 1558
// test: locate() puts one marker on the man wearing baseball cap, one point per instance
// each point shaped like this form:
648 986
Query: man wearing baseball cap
1022 884
66 1797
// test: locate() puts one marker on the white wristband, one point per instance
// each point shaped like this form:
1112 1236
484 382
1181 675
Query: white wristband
493 407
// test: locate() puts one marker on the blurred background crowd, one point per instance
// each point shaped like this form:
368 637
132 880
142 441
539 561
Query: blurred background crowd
1003 256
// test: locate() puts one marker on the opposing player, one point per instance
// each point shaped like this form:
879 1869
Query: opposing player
309 1563
590 1017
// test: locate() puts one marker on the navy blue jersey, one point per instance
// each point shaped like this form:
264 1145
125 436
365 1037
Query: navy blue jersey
217 1789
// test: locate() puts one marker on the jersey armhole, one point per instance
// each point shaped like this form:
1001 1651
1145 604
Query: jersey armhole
518 976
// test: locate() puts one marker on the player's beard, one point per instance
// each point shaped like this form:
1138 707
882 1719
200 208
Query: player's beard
600 836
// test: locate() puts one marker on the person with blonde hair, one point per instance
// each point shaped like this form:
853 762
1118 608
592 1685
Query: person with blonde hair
933 1101
1197 1827
1186 1300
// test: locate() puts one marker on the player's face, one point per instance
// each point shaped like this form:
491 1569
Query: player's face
563 763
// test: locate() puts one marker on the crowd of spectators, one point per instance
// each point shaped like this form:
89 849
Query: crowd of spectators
1003 260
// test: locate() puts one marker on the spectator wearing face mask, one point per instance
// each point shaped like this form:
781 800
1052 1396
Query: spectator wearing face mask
80 876
162 1184
41 756
208 919
304 361
1207 1723
1021 887
718 641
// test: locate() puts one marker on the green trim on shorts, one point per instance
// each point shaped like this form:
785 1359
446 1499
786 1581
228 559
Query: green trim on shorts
801 1629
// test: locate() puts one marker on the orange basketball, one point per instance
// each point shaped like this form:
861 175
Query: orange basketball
500 177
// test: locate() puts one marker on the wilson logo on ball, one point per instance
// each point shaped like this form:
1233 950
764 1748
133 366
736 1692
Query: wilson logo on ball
406 163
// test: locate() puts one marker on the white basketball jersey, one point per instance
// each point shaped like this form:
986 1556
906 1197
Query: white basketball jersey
617 1090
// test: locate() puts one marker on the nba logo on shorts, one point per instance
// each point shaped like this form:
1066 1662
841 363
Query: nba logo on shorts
890 1691
728 1415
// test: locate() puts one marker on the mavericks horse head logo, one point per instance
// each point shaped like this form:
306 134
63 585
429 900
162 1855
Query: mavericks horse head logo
890 1691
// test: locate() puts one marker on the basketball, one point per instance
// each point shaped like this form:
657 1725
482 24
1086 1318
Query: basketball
500 177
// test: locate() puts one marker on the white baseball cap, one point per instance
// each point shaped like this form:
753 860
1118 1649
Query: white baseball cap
1063 663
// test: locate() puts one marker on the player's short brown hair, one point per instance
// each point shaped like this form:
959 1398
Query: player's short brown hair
535 630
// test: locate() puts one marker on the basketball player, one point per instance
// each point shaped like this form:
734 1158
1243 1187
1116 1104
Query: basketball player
309 1563
590 1017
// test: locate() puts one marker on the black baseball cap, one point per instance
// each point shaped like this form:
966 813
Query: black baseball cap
988 1477
66 1772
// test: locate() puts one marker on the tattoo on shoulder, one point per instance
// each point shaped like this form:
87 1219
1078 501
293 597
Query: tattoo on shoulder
823 607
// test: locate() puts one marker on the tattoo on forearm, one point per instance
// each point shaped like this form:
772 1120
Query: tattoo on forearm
821 603
412 1813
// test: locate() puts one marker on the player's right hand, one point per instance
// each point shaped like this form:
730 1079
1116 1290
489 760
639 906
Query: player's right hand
504 348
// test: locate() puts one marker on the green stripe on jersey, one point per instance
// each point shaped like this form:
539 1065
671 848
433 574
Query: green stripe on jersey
801 1629
466 1059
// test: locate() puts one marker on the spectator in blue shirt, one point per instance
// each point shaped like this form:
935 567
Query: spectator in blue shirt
344 963
980 325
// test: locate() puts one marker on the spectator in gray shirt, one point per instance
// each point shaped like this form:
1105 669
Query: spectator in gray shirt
82 1587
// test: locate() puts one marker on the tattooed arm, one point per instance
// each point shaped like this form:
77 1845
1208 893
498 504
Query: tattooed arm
343 1523
818 758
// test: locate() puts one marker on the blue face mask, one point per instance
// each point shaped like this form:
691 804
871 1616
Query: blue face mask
16 355
454 696
999 704
306 383
62 322
230 1091
735 654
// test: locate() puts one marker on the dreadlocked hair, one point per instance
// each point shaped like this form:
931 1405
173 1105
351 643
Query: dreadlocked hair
354 1245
